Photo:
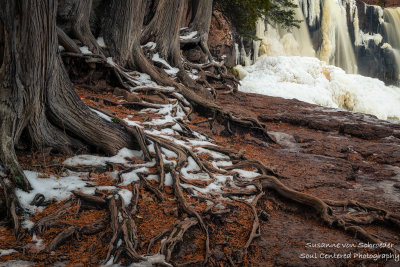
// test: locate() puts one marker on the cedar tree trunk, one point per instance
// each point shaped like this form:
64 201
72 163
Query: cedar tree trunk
37 95
164 30
202 14
121 28
77 12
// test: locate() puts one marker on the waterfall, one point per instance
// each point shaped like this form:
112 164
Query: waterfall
355 40
357 37
276 41
337 48
311 10
391 17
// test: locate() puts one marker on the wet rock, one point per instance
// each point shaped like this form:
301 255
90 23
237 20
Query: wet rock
365 131
339 155
384 3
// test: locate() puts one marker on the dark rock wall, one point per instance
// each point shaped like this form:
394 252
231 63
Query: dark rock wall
383 3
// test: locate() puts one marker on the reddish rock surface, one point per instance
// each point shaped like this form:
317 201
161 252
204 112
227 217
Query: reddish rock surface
328 153
327 149
383 3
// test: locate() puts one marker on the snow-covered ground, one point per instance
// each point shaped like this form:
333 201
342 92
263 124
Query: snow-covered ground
313 81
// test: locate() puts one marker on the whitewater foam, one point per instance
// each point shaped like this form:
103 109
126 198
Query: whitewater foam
313 81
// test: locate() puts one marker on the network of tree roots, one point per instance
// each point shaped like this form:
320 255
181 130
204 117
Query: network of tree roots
166 219
182 221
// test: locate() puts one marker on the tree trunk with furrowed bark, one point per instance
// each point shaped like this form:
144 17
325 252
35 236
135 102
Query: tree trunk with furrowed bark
76 15
37 95
121 28
164 28
202 14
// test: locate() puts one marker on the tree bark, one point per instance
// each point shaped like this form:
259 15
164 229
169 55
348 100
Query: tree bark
37 95
1 42
121 27
77 12
202 14
164 30
67 42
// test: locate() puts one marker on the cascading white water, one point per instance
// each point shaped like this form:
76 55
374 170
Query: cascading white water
313 81
290 71
392 29
336 48
281 42
311 10
244 58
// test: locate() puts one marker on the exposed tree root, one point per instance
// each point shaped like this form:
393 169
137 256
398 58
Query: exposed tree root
66 42
151 188
191 211
51 220
89 198
324 211
176 236
255 231
156 238
160 166
253 164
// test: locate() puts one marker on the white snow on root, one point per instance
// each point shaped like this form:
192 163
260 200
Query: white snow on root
189 36
85 50
170 70
53 188
124 156
6 252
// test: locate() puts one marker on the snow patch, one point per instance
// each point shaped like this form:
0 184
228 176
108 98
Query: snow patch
85 50
123 157
189 36
315 82
152 260
126 195
100 42
6 252
111 62
51 188
170 70
27 224
101 114
151 45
